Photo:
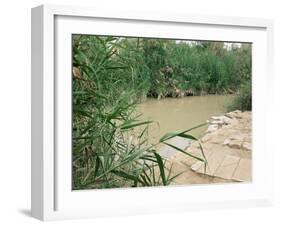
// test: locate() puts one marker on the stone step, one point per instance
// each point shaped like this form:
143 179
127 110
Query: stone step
225 166
243 171
180 142
214 160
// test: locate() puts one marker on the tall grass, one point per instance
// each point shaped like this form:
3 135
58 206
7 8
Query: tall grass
111 75
161 68
210 69
243 99
109 152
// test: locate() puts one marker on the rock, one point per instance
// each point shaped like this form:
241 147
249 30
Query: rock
218 122
248 138
223 120
234 122
238 136
234 114
235 144
214 161
227 167
243 171
230 115
227 120
196 166
217 139
226 141
212 128
182 143
227 146
238 114
215 118
247 146
206 138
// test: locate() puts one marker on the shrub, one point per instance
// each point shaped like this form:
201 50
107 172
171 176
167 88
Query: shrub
112 74
243 99
108 150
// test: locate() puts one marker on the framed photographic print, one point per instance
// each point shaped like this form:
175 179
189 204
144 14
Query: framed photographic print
138 112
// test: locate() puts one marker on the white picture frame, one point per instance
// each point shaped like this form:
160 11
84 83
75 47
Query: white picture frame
52 197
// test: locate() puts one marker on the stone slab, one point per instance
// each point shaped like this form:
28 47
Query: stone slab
243 171
214 161
235 144
247 146
227 167
180 142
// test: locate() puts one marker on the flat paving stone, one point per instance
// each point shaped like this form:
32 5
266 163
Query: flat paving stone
180 142
228 151
219 139
214 161
195 151
227 167
197 165
243 171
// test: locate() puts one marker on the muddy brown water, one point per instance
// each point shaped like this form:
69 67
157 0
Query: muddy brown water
178 114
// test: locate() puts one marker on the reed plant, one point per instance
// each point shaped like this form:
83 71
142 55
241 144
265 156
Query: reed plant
111 75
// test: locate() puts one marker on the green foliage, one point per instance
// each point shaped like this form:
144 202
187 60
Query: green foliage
243 99
162 68
108 151
112 74
208 68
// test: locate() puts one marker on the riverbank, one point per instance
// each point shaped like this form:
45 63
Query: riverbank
227 145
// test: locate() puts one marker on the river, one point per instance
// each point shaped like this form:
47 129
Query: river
178 114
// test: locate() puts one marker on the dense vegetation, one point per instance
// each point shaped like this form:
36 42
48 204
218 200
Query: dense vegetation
111 75
243 99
